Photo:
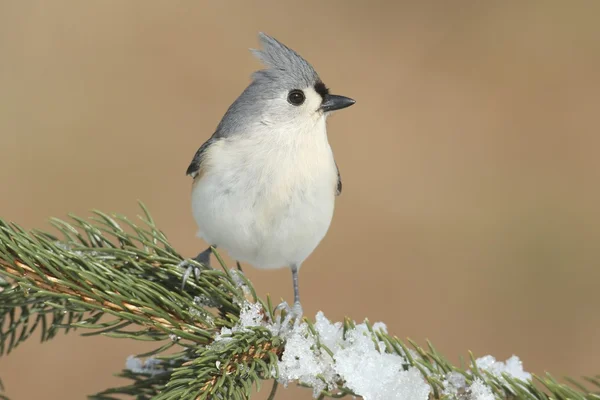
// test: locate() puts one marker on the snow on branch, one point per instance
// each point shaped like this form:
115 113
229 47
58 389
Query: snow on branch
227 339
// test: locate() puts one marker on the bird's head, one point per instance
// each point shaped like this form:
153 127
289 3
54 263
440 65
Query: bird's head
289 87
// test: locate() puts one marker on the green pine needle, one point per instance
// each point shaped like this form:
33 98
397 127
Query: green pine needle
108 266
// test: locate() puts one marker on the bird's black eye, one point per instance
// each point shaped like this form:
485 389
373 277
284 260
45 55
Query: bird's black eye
296 97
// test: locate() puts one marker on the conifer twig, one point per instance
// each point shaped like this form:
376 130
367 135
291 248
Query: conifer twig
227 339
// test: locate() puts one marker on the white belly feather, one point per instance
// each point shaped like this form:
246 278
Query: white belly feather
267 199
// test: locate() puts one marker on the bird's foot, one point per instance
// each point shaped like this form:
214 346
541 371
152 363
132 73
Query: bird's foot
189 267
294 313
203 259
297 312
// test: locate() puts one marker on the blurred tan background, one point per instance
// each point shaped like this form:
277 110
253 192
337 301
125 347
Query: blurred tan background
470 213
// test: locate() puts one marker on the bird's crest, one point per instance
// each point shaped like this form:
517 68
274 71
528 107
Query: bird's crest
283 62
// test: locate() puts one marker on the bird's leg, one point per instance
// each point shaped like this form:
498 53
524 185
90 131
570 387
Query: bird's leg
202 258
294 312
296 289
297 308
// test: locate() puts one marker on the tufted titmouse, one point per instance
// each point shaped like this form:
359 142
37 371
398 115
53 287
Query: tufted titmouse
266 180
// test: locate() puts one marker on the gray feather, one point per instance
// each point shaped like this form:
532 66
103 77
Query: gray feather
286 70
196 163
339 181
284 64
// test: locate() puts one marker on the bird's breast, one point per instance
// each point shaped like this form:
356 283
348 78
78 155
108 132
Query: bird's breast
267 200
274 166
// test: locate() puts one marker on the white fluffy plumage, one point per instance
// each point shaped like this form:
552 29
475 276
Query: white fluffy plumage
268 198
265 182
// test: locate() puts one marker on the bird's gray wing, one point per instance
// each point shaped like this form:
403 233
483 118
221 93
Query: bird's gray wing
195 166
338 190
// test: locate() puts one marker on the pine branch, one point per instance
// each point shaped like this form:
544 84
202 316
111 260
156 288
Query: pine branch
109 276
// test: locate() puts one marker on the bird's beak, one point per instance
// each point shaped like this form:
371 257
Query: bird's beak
332 102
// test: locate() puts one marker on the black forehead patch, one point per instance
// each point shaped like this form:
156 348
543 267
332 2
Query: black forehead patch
321 89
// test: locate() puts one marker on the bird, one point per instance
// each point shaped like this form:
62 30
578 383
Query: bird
265 182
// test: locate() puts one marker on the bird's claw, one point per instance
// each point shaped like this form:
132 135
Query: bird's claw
203 259
189 267
294 312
